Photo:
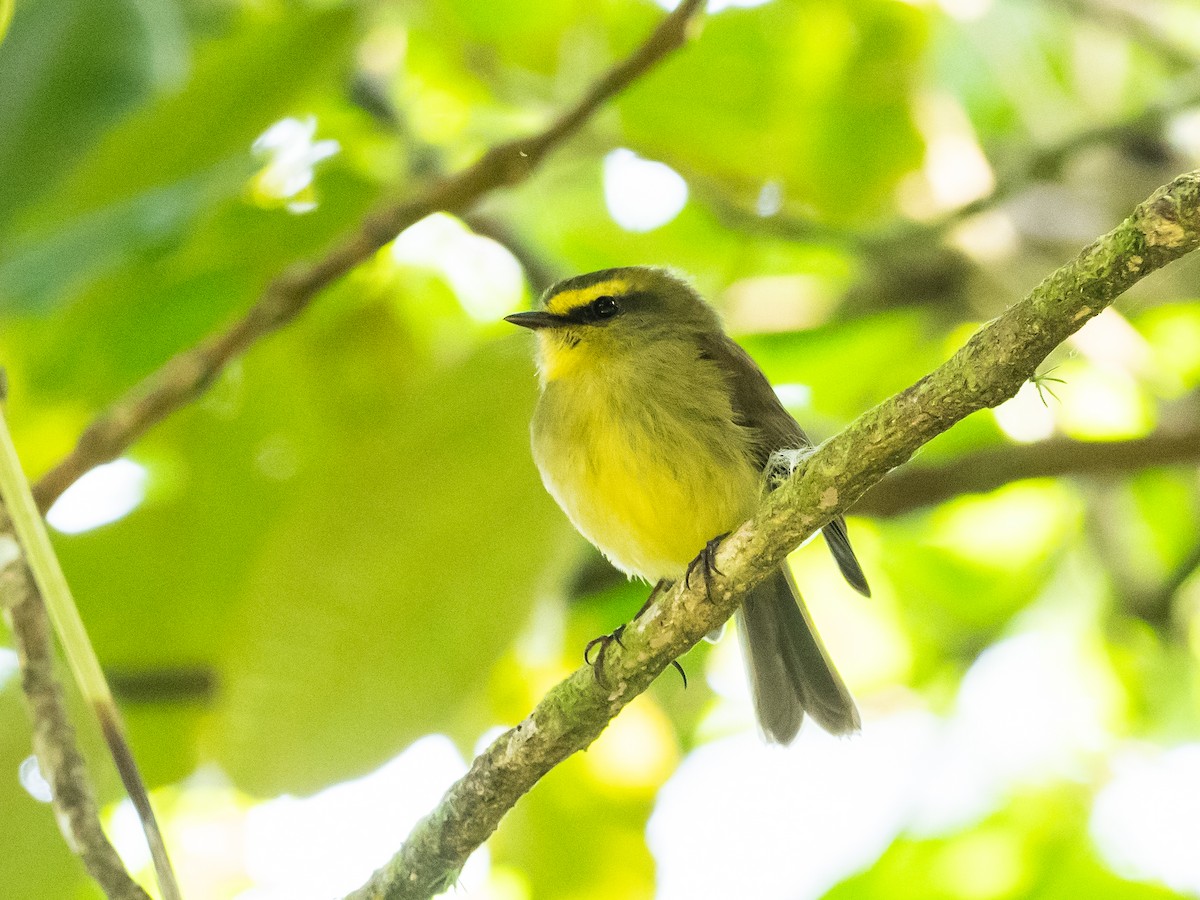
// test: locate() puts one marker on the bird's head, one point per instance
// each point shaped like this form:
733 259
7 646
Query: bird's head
611 315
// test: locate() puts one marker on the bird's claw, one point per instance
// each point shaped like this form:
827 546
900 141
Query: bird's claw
707 560
603 642
679 669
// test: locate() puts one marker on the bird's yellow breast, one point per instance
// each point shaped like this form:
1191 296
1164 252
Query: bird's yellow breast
647 467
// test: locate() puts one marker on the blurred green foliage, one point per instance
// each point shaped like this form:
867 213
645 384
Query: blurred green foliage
346 536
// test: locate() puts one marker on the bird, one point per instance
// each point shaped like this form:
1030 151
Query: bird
652 431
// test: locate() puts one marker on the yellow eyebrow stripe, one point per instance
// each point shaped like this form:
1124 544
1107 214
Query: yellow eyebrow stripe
562 303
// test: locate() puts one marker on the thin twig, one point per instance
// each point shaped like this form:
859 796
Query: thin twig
1044 163
990 368
55 594
54 742
186 376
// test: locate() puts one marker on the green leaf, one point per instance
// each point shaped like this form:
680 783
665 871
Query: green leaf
399 575
70 69
207 123
563 210
149 180
814 94
33 276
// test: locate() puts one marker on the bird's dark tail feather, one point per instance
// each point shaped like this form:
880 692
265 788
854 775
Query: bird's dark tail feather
790 671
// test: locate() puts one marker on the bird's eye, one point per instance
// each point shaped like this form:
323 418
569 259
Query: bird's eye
605 307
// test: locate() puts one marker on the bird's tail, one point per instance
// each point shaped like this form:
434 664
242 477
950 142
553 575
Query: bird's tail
790 671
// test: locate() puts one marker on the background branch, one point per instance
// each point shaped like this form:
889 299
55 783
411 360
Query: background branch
920 485
1044 163
186 376
53 594
54 742
989 368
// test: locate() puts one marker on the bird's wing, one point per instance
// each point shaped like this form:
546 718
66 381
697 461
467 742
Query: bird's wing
757 407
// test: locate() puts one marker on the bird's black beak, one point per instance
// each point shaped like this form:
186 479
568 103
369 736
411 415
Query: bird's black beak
534 319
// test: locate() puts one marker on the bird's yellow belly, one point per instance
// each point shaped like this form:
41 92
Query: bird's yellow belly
648 498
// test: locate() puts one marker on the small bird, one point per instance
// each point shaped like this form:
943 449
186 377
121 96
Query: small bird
652 431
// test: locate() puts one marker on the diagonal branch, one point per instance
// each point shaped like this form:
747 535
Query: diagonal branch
991 367
189 374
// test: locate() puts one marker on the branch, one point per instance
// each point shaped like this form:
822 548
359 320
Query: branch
990 368
187 375
53 594
919 485
53 737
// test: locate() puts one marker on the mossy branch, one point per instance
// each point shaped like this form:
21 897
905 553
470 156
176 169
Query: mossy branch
987 370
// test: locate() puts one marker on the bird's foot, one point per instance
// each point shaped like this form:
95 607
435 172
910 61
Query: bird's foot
607 640
679 669
603 643
707 561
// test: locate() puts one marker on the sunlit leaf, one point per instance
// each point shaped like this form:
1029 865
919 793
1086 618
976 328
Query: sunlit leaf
812 94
